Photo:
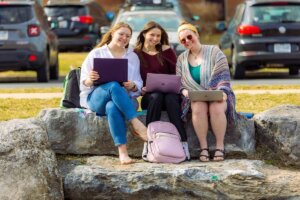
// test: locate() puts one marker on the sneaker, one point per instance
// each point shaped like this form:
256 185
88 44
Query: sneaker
186 150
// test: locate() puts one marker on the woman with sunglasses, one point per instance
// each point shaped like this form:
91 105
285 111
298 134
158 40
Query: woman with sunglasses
156 56
113 99
204 67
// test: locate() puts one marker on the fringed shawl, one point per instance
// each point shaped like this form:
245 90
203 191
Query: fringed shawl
214 75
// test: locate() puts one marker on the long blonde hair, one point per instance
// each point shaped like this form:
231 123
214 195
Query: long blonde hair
107 37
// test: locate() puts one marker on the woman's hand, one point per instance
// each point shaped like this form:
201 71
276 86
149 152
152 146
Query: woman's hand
185 93
224 97
144 90
93 76
130 86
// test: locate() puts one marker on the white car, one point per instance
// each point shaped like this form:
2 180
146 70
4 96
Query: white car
168 19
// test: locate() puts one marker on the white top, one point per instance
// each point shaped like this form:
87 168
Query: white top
104 52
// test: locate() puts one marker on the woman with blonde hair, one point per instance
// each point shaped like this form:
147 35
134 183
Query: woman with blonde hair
157 56
112 99
204 67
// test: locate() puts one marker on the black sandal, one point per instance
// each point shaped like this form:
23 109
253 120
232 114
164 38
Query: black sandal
219 156
206 156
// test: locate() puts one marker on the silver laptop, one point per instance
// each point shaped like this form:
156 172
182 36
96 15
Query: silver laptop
206 95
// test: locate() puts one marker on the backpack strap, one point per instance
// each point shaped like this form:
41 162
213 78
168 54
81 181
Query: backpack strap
78 71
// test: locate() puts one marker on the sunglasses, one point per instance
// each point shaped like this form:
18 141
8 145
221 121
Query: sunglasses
183 40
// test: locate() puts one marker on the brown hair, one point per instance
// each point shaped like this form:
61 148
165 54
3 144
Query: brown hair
107 37
164 40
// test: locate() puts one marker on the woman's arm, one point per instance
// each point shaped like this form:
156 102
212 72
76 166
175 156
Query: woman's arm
170 59
183 90
134 75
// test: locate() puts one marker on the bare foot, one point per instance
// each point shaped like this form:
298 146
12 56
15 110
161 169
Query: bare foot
123 155
126 160
139 129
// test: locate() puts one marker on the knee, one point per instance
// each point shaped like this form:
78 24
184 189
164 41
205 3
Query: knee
171 98
216 109
114 85
156 96
199 108
111 108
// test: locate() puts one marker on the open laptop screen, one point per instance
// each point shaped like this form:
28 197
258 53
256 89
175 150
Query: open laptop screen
111 69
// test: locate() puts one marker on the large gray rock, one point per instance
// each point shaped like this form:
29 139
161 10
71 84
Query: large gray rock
28 167
278 129
77 131
104 178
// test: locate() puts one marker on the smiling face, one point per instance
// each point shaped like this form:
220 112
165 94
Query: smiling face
152 37
121 37
188 39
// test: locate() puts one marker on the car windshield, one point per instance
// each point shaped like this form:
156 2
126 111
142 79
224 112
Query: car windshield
15 14
65 11
137 21
271 13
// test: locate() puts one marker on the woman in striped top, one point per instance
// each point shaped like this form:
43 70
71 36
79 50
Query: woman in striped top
204 67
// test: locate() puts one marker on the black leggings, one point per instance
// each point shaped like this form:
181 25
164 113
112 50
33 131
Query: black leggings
156 102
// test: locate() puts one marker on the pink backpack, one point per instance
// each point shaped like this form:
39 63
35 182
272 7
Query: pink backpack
164 144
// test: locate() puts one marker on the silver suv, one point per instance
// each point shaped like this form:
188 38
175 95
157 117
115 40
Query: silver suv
26 41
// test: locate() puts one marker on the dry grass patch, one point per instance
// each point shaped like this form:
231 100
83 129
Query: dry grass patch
33 90
261 102
265 87
24 108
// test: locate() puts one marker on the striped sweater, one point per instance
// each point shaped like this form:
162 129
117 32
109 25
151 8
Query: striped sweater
214 75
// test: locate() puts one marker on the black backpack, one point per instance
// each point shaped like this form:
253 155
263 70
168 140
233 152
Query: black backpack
71 90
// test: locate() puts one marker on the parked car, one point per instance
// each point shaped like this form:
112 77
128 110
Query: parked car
26 41
76 23
168 19
264 33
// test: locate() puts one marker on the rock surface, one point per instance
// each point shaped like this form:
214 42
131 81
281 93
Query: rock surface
278 129
103 177
76 131
28 167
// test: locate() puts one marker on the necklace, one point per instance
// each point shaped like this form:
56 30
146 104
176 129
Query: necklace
150 51
197 54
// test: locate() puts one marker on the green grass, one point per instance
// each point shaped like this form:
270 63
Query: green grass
32 90
265 87
25 108
235 87
68 59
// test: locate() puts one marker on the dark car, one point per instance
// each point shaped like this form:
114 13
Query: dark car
76 24
264 33
26 41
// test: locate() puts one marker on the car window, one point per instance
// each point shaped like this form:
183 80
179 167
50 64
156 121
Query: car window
137 21
237 17
267 14
15 14
65 11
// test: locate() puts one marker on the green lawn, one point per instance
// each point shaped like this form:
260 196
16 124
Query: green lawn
25 108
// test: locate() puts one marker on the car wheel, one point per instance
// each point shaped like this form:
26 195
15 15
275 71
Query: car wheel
43 72
54 70
238 71
294 70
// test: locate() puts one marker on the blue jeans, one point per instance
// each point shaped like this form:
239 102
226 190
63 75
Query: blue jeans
112 100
